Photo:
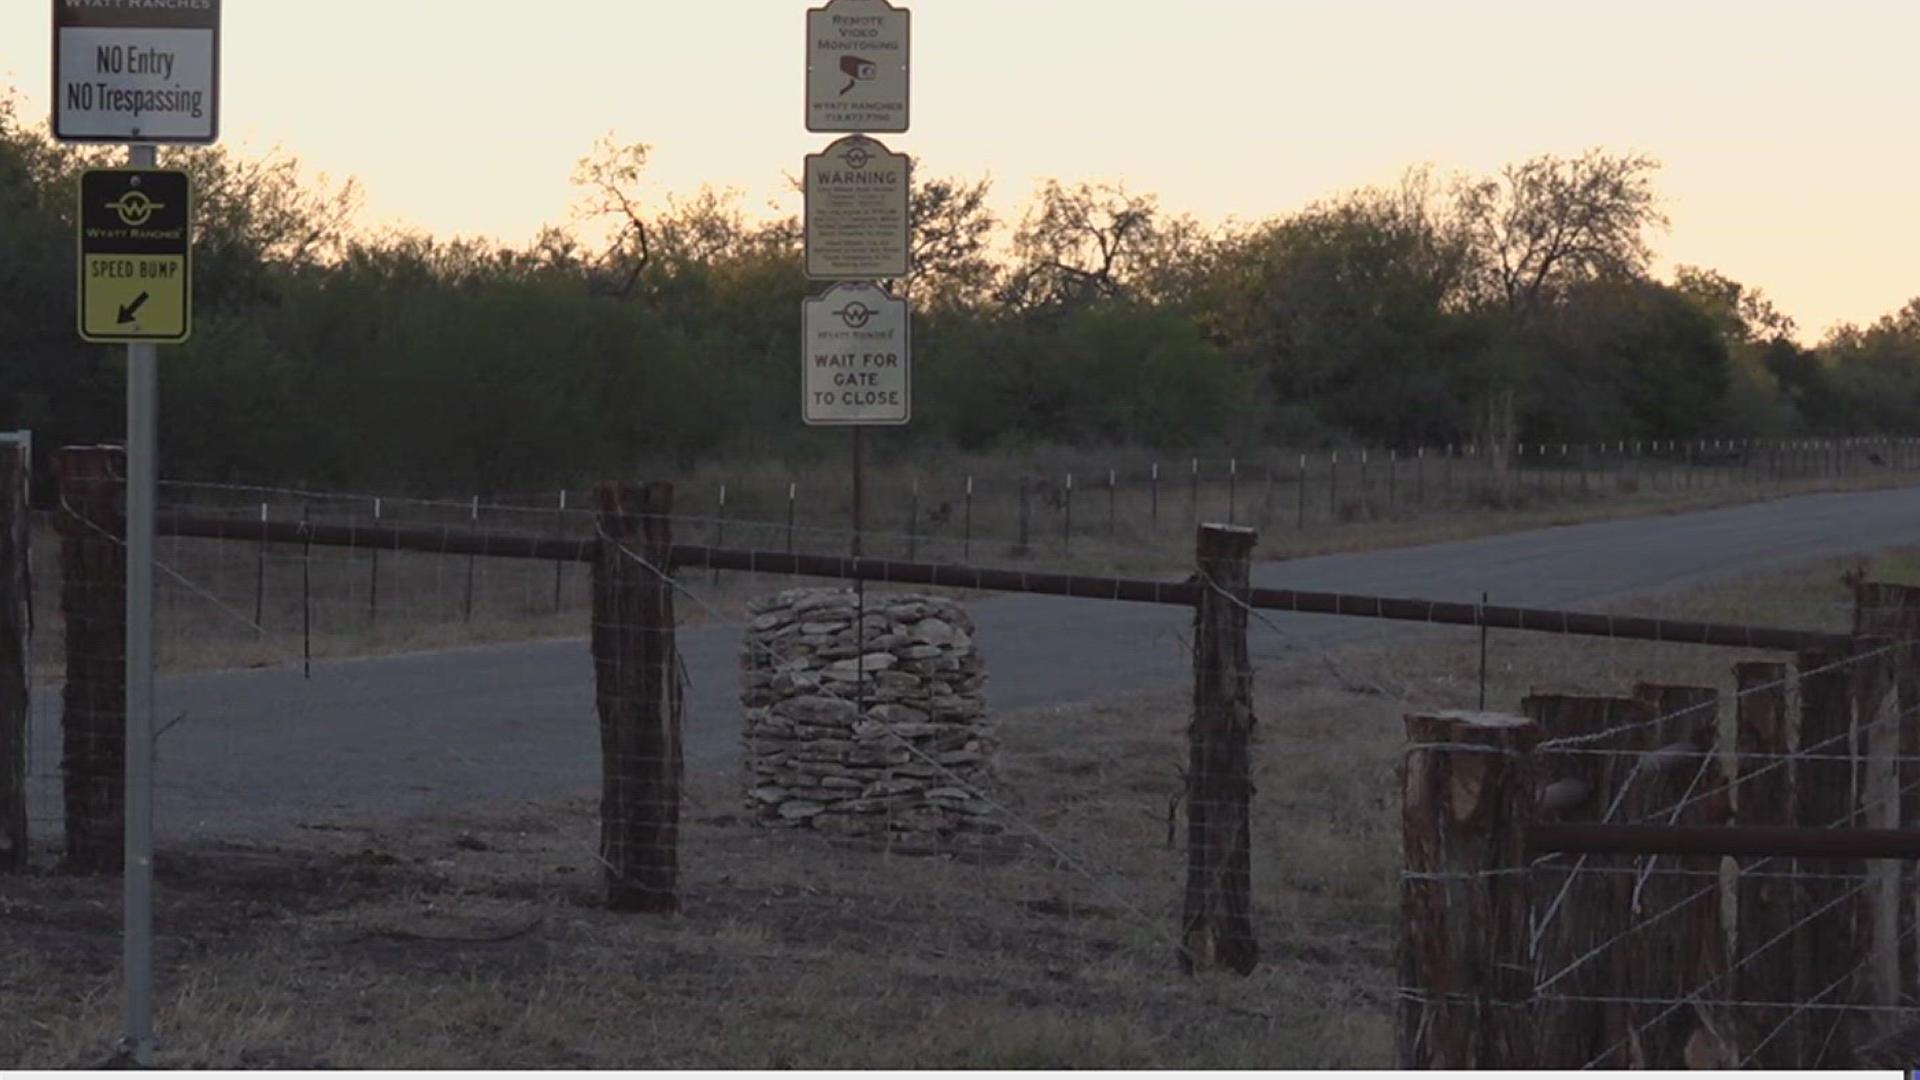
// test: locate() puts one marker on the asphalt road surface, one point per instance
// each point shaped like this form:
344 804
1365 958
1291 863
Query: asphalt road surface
378 741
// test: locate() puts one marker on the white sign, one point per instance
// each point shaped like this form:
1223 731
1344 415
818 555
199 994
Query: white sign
856 351
136 71
856 211
857 66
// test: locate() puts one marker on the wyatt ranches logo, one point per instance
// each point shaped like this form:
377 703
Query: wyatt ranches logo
856 314
135 208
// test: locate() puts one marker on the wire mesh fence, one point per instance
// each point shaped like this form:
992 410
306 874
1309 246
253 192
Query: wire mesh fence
1646 960
832 810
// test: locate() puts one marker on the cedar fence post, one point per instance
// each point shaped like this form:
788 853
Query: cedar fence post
1893 611
1877 806
638 694
1681 783
1823 799
1468 794
1770 902
1578 914
93 587
1217 922
15 530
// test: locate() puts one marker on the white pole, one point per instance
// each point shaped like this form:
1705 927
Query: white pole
137 941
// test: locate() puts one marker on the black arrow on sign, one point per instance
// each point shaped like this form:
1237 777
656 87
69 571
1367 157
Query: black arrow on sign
127 310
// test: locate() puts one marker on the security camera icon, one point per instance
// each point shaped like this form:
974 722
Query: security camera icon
856 70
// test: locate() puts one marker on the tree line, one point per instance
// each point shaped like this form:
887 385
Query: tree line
1518 306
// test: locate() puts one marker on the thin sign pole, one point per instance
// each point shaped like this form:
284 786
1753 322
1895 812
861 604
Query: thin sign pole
473 515
859 583
142 445
373 576
260 573
559 529
966 525
1483 652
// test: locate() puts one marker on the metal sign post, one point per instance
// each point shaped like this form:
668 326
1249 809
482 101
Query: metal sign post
855 337
140 74
137 944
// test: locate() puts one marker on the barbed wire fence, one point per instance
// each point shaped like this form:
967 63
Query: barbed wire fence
208 588
1132 509
244 584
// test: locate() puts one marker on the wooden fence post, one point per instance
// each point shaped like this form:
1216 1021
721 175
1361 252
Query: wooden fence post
1893 612
15 530
1681 783
1468 794
1770 903
93 587
638 694
1877 806
1580 916
1823 799
1217 921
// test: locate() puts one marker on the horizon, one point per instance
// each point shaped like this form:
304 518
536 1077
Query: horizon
1787 185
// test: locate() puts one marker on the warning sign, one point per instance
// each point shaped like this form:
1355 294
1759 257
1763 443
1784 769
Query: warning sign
856 212
857 355
857 66
136 71
136 268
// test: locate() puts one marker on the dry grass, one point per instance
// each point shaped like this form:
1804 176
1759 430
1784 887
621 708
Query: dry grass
475 942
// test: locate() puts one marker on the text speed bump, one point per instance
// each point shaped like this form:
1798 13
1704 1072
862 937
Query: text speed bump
857 357
136 269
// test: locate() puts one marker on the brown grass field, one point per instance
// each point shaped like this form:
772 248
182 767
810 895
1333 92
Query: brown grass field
476 942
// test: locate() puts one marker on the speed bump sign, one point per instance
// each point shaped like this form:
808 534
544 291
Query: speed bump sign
136 267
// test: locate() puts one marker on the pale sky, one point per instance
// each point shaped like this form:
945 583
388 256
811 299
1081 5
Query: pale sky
1783 127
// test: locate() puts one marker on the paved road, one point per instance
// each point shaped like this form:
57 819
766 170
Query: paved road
378 740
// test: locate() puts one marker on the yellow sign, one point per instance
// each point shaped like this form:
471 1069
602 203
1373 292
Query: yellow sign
136 268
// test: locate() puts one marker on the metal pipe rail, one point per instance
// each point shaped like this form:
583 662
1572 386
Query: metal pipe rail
1738 840
453 540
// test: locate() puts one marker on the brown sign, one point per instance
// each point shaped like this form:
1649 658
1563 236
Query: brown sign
857 225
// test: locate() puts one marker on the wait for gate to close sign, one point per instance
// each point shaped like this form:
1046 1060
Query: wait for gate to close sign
857 355
856 211
857 66
136 269
126 71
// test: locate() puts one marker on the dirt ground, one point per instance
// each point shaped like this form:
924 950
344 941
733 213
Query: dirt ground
477 941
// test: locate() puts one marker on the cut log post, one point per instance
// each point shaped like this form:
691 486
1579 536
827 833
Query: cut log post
1217 920
93 587
1893 612
14 538
1769 902
1823 799
639 697
1468 792
1877 806
1580 904
1680 945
